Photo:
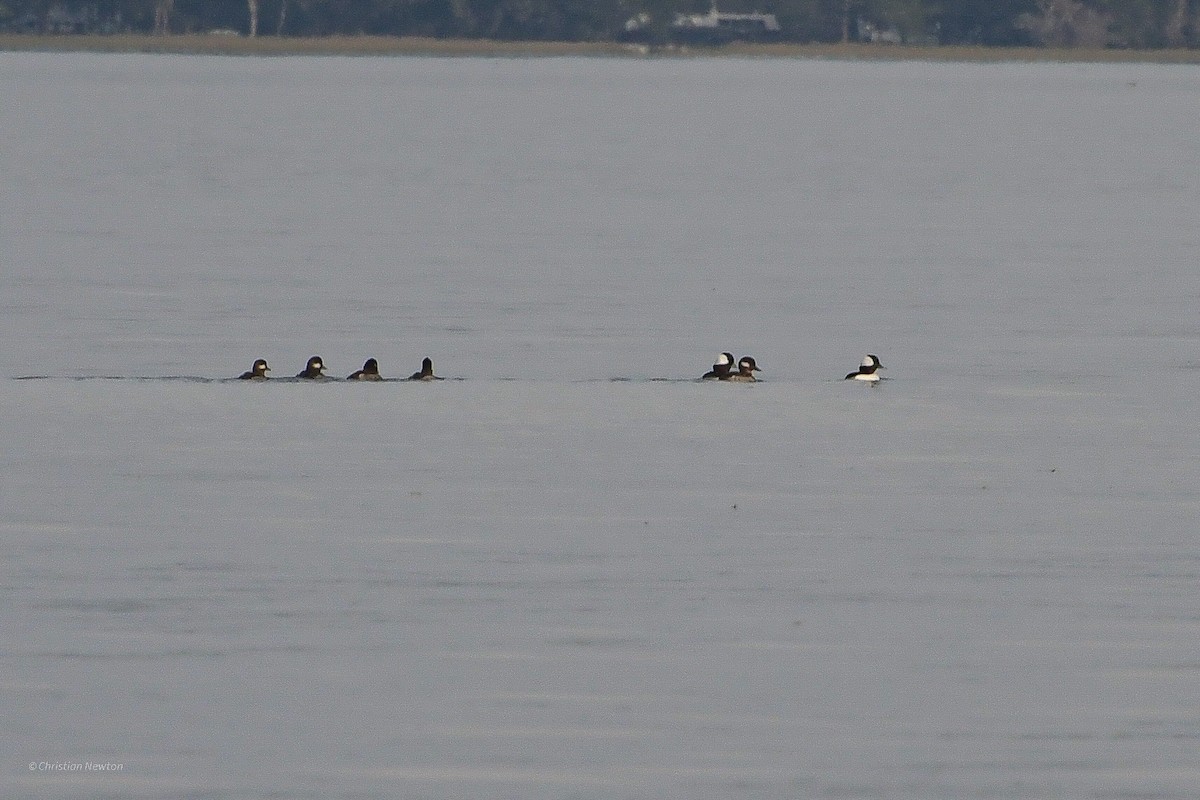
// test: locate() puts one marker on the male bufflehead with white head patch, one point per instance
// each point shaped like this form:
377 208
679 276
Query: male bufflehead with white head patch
369 372
258 372
746 369
720 369
868 370
426 373
313 370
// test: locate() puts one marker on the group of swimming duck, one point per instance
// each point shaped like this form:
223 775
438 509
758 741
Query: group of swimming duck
722 370
314 370
867 371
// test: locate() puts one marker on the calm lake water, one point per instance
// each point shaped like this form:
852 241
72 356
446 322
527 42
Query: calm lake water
571 570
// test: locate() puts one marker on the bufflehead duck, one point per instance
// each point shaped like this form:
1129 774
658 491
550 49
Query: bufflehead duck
426 373
369 372
258 372
720 369
746 370
868 370
312 371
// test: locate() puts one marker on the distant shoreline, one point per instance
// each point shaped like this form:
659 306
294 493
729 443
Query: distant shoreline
233 45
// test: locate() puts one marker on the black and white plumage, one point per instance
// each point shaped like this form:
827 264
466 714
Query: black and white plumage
721 368
258 372
868 370
746 369
313 370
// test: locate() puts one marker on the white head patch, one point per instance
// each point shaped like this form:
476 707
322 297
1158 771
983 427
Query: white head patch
723 359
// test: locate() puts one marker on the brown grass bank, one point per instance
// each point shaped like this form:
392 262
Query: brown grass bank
233 45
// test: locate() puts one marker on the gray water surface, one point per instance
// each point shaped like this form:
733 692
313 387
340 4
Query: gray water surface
977 580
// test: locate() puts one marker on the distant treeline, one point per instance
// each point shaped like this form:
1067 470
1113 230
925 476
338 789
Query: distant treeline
1144 24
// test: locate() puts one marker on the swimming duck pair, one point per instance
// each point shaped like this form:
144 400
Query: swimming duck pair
723 369
314 370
